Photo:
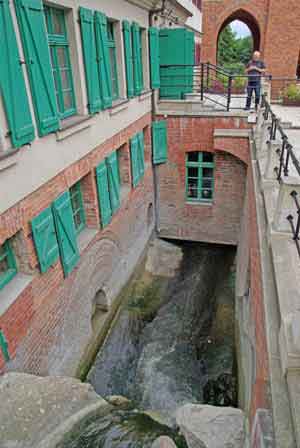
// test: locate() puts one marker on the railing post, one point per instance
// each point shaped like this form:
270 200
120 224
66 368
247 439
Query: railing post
207 76
229 93
202 81
285 204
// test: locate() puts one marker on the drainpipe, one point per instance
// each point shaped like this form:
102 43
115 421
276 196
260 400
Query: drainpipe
153 116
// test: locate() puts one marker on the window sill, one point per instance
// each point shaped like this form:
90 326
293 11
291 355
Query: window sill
145 94
12 290
85 237
72 125
9 158
207 204
118 106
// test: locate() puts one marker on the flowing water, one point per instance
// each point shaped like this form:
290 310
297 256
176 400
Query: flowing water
172 343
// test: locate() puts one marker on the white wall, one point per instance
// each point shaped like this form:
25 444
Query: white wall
34 165
194 22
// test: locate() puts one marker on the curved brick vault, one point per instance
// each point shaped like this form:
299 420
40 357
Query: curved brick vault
275 26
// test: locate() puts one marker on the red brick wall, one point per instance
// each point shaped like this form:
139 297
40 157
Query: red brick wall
260 387
39 311
279 30
218 222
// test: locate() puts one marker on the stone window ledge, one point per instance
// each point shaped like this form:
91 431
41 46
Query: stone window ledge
205 204
9 158
118 106
85 237
73 125
145 94
11 291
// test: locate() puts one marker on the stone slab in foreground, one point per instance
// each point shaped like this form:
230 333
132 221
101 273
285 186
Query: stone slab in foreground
211 427
37 412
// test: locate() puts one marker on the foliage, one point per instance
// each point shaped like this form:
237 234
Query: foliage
234 52
239 82
292 92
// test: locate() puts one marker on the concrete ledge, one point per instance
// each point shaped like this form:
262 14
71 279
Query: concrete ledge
73 125
10 292
233 133
118 106
9 158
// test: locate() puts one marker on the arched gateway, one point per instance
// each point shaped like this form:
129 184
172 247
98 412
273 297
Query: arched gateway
275 30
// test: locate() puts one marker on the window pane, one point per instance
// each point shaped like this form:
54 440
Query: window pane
193 156
65 79
3 266
61 54
68 103
75 199
206 194
208 157
58 21
77 220
192 188
207 183
114 74
192 172
207 172
110 31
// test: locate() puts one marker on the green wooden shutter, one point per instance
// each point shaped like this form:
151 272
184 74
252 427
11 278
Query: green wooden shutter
103 59
159 142
4 347
113 181
12 82
103 194
44 237
128 58
32 25
154 57
137 63
65 231
141 153
177 55
90 60
134 156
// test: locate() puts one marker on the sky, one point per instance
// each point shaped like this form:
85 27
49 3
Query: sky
240 28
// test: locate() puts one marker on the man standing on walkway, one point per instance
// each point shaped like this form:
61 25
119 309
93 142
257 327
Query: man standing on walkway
254 69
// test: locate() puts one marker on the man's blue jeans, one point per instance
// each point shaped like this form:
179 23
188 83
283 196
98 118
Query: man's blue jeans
250 89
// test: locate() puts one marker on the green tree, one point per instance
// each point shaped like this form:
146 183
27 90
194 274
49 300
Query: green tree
234 52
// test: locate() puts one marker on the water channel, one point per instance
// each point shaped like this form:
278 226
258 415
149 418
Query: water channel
171 343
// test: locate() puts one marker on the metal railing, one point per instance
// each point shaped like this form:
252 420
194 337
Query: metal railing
287 158
211 83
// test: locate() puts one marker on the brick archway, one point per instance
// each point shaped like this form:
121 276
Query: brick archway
275 28
248 19
223 14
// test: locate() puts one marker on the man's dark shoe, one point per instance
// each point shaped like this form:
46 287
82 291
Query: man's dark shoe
246 108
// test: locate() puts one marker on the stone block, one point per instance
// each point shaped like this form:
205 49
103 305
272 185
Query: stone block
211 427
273 153
286 204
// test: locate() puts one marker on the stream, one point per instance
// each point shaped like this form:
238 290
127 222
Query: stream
171 343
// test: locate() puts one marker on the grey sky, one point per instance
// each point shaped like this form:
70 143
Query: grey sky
240 28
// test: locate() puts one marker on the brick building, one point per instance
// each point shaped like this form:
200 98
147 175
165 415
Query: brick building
91 161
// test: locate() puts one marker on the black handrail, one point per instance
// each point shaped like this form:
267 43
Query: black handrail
286 157
213 83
